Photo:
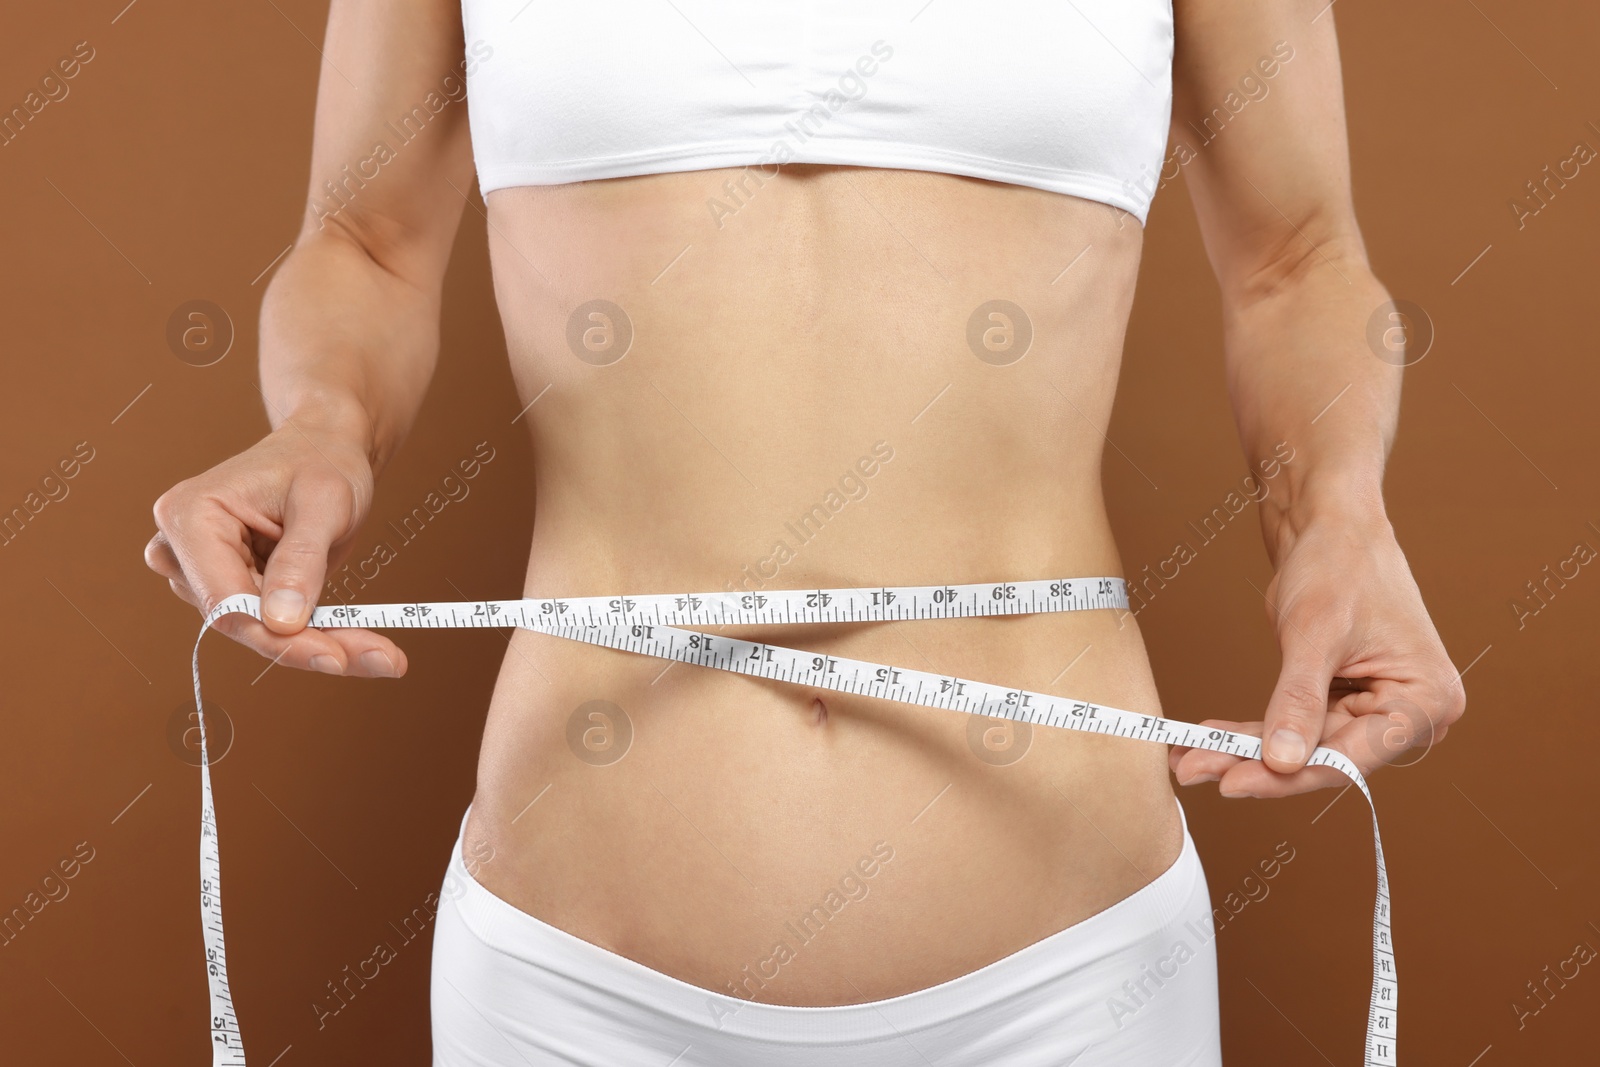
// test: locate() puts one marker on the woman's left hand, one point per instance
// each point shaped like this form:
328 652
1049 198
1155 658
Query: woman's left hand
1364 671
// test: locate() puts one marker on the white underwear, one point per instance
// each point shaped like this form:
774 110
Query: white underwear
1132 986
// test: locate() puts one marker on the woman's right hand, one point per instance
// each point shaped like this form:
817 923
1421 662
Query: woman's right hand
273 521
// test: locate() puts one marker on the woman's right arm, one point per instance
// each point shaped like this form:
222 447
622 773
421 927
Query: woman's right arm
349 338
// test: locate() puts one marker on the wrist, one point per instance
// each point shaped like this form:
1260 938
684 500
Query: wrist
1344 497
334 416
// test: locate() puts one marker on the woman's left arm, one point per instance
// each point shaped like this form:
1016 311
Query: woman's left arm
1258 133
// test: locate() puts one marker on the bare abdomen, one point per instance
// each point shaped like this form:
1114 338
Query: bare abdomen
819 393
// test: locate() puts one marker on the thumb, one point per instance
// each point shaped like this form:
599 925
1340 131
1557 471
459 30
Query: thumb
1299 704
316 513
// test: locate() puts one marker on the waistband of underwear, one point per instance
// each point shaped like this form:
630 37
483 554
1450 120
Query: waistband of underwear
1151 918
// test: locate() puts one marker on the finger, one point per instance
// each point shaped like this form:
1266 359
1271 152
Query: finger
200 550
1192 766
1299 702
205 542
1202 765
317 512
1395 724
1252 778
204 561
159 557
351 652
343 651
183 591
368 654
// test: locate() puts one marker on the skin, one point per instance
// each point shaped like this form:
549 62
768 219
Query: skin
829 314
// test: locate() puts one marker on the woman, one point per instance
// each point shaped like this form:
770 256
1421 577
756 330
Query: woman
748 256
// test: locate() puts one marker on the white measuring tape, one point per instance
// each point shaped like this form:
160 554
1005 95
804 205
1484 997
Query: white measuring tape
648 624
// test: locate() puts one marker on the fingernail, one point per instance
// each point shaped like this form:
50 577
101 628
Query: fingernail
378 663
326 664
1200 778
284 605
1235 792
1287 746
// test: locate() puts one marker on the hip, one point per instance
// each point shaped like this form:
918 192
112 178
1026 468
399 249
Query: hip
1135 982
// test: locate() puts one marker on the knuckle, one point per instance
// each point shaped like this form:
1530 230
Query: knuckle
298 548
1320 612
328 496
328 486
1448 692
154 554
168 507
1300 700
322 480
232 627
179 511
182 591
207 601
294 561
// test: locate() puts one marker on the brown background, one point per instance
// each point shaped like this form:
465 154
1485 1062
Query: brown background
174 170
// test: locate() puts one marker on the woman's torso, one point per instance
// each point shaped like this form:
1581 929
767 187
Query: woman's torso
805 401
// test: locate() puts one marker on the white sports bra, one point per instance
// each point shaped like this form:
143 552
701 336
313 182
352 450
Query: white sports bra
1071 96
